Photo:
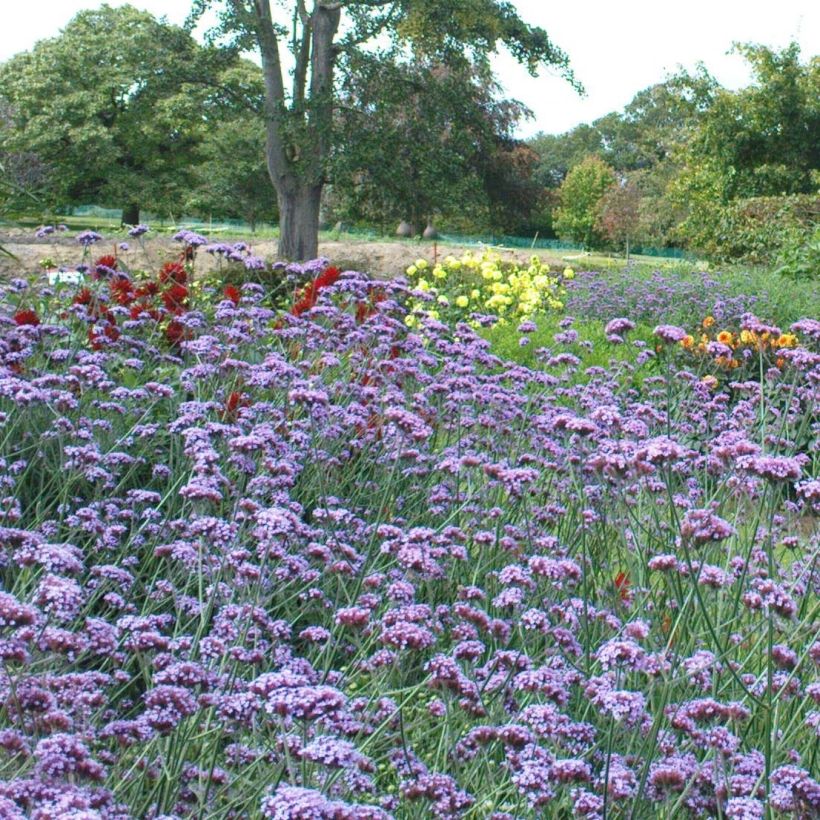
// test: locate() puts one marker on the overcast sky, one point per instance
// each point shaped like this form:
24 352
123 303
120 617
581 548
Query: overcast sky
616 49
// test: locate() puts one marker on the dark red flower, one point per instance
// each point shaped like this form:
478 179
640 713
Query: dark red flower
107 261
232 293
175 298
235 400
366 309
173 272
122 291
148 289
104 265
142 309
97 339
26 317
176 332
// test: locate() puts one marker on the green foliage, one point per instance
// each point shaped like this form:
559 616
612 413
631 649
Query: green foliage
113 107
753 153
591 346
352 46
763 139
799 256
232 180
419 141
753 230
581 192
411 141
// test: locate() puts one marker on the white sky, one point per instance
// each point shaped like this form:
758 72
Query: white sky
616 48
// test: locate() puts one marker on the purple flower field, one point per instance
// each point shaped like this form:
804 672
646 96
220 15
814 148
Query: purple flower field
316 564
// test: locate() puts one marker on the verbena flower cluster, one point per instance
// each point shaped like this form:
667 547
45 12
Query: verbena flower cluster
315 563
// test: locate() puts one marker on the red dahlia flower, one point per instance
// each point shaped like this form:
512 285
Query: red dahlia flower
123 291
234 401
103 265
309 295
98 340
148 289
173 272
26 317
233 294
141 310
622 584
175 298
176 332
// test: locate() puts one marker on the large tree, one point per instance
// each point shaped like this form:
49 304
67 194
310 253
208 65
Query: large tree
321 38
114 107
417 140
763 139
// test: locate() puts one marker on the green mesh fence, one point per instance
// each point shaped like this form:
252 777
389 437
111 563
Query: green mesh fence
237 225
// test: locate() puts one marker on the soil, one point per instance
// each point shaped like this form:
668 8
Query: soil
381 259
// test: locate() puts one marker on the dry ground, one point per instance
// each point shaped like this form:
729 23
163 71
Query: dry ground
381 259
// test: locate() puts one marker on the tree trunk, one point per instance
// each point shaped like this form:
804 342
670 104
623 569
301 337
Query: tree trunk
131 214
299 222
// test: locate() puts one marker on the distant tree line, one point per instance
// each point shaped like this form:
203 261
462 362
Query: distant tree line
732 175
127 111
388 115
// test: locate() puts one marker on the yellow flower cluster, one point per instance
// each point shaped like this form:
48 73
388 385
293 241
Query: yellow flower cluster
485 284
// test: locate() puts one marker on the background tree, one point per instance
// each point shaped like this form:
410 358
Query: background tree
319 34
558 153
581 192
113 107
230 179
759 142
417 140
518 204
619 217
763 139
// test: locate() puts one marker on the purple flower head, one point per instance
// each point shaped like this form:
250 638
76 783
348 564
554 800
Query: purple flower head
88 238
773 468
807 327
190 238
671 334
254 263
63 755
703 526
619 327
138 231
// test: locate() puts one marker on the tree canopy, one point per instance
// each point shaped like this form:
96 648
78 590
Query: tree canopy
115 107
325 41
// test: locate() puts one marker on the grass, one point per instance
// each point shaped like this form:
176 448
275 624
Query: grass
591 347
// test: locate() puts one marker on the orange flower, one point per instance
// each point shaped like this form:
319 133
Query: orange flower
622 584
725 337
708 321
687 341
